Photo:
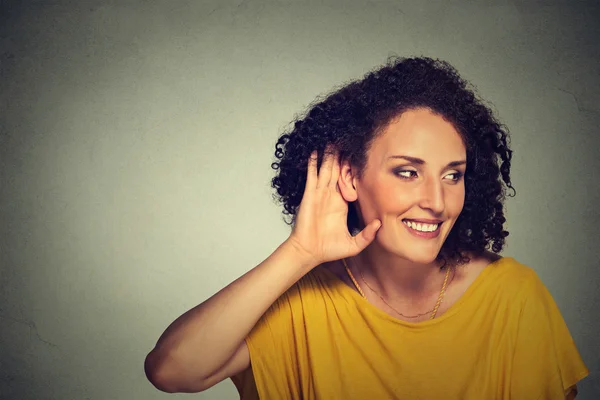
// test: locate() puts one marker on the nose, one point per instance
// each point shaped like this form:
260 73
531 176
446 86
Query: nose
432 196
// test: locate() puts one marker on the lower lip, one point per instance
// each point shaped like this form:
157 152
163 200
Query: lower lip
424 235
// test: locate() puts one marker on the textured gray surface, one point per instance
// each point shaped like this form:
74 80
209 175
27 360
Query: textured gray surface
135 148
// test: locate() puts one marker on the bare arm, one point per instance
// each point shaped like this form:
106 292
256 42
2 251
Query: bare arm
206 344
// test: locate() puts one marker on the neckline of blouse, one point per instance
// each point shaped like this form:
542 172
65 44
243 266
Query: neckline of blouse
347 290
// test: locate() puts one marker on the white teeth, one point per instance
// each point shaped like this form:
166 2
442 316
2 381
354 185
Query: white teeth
421 227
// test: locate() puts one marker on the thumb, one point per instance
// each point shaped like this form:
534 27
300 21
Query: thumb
367 235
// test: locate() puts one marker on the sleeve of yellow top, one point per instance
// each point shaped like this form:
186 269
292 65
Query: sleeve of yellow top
571 393
273 350
546 362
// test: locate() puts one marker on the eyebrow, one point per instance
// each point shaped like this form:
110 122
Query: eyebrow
419 161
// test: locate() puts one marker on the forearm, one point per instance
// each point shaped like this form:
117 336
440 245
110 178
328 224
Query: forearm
204 338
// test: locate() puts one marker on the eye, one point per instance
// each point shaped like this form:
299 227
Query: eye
406 173
457 176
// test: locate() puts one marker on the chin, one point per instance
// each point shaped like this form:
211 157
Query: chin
418 255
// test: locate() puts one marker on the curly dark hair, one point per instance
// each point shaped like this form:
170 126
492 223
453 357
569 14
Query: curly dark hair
353 116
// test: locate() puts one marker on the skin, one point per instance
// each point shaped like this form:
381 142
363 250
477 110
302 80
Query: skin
398 265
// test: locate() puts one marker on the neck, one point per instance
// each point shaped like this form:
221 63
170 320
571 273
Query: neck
399 279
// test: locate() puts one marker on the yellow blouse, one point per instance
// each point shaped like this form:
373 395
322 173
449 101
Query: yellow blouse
503 339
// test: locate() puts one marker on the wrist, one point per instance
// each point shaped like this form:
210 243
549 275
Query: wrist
304 259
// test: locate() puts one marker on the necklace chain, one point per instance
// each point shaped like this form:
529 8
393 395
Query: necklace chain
434 310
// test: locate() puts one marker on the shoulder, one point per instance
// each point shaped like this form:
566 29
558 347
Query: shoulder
314 284
522 276
338 270
522 284
335 267
496 270
507 270
491 277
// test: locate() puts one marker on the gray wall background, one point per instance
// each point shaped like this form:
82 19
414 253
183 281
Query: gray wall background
136 139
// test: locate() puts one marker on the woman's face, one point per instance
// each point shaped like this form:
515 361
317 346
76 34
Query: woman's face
413 183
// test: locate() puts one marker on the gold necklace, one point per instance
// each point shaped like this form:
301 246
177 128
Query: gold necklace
434 311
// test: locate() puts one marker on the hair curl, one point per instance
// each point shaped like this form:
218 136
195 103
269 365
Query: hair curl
353 116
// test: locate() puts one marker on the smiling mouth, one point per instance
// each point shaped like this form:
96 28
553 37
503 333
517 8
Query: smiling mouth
422 227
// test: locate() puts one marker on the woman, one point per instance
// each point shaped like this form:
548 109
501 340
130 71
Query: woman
386 287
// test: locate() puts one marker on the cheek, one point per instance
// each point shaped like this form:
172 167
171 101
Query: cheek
386 200
396 201
455 202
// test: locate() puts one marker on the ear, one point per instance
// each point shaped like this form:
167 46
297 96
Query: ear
347 181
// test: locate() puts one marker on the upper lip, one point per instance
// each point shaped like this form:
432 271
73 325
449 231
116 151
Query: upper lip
425 220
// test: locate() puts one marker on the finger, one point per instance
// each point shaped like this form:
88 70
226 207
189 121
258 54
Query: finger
311 173
325 171
367 235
